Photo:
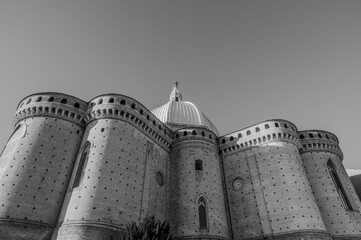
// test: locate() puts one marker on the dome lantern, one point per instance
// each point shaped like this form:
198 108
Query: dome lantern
175 95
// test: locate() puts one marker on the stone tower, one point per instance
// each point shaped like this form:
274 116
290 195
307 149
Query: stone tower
197 204
121 171
332 188
37 162
269 195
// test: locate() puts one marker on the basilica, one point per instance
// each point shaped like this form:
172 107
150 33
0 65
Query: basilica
82 170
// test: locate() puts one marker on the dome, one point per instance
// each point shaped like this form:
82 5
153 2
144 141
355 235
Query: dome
179 114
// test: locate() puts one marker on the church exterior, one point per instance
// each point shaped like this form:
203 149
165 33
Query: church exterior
76 170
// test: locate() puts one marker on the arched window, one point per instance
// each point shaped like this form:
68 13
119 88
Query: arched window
38 99
122 102
340 190
277 125
199 165
266 126
111 100
51 99
202 212
257 129
76 105
82 166
64 101
194 132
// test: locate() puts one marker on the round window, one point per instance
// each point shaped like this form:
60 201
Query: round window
238 184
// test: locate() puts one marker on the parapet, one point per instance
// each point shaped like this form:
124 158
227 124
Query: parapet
52 104
258 134
194 133
116 106
318 140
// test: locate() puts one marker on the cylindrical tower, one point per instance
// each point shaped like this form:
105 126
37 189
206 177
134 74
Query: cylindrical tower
121 173
37 162
333 190
269 195
197 206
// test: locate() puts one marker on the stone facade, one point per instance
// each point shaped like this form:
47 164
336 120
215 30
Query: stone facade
83 170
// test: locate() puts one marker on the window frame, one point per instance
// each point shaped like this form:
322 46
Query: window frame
202 205
83 162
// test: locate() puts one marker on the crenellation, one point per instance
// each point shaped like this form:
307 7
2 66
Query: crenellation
230 143
316 140
53 105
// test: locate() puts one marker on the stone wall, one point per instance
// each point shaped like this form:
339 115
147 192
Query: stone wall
319 150
125 178
356 182
36 165
188 184
275 199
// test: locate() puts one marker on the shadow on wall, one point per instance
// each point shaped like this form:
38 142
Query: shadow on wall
356 182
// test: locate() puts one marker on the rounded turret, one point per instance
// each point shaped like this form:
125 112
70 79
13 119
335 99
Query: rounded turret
197 204
36 164
332 188
267 188
121 173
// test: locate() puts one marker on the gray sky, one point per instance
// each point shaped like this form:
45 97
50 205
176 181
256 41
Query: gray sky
240 62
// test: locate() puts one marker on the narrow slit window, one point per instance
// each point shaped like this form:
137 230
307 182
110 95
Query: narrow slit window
340 190
81 168
202 211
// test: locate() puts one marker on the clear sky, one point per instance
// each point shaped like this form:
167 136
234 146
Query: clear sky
240 62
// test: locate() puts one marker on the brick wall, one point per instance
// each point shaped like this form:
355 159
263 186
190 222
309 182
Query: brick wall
34 178
119 184
188 184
